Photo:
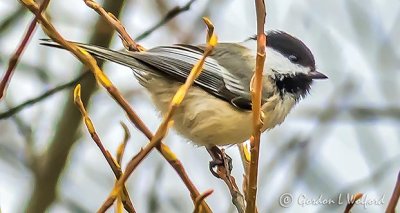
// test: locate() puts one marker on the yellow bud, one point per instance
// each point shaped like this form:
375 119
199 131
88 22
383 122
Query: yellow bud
77 93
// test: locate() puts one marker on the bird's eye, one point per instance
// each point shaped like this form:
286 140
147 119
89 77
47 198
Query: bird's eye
293 58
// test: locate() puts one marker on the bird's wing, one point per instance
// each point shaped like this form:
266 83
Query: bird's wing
178 60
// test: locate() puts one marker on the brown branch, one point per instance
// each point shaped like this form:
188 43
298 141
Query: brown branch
256 89
391 208
200 199
128 42
15 57
115 167
352 202
165 124
223 172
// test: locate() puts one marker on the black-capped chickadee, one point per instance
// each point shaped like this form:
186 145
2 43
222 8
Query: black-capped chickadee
217 109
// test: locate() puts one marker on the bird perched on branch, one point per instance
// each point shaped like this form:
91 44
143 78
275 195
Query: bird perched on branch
217 108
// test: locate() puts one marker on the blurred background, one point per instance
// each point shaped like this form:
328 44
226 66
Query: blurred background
343 138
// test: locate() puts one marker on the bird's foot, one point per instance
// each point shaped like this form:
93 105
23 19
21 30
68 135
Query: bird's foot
220 159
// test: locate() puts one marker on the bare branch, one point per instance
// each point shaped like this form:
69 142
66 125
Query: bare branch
200 199
128 42
395 197
352 202
110 160
256 89
15 58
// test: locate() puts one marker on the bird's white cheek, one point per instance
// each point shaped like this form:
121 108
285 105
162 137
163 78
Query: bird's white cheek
276 62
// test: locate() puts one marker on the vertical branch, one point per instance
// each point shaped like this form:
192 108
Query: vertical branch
256 89
395 197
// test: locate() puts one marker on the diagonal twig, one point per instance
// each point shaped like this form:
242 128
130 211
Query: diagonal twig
352 202
15 58
110 160
128 42
199 200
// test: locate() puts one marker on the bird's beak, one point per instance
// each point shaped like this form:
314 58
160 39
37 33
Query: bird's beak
316 75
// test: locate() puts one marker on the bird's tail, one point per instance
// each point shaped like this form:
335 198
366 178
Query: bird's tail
121 57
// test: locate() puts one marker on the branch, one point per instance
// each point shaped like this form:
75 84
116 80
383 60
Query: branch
15 58
256 89
110 160
170 15
121 147
352 202
165 124
224 172
391 208
41 97
200 199
120 154
128 42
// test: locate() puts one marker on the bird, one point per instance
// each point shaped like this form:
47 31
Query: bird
217 108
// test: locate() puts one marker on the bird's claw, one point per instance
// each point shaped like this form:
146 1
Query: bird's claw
220 159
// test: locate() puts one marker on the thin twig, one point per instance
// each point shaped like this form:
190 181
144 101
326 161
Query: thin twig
165 124
170 15
15 57
391 208
256 90
128 42
110 160
120 154
12 111
352 202
121 147
200 199
223 172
